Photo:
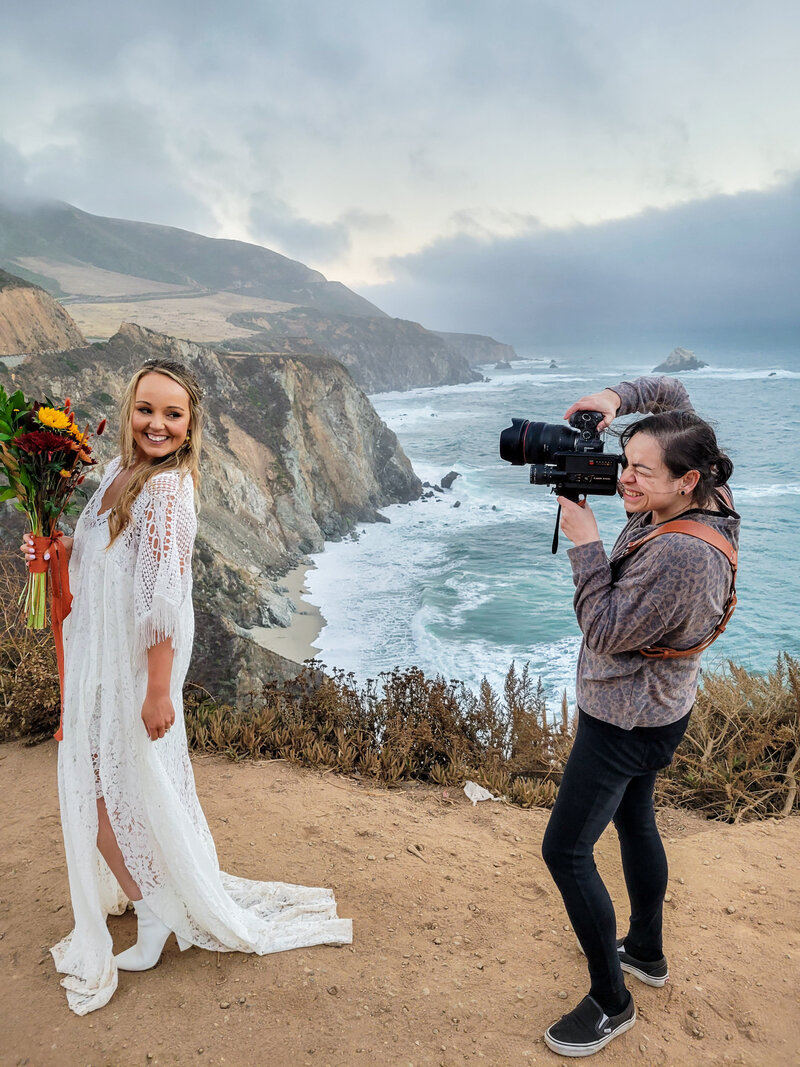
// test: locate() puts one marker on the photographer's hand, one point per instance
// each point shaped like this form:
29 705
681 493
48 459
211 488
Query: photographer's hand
608 403
577 521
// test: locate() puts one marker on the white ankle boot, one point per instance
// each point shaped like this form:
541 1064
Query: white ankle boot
150 941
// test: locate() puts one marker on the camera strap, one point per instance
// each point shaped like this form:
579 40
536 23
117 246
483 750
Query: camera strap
554 548
577 500
716 540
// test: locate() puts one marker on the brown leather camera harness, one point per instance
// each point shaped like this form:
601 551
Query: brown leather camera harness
716 540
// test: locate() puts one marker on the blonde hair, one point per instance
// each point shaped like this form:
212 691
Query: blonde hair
185 459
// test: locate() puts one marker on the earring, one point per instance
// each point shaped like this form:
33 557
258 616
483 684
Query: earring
683 492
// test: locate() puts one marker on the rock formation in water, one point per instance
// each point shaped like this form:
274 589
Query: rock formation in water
679 359
31 321
294 453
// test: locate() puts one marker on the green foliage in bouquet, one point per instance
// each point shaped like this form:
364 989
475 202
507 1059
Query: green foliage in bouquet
43 455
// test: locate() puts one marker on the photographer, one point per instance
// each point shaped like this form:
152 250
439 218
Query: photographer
633 709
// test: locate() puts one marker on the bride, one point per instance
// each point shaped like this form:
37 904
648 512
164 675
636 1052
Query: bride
133 826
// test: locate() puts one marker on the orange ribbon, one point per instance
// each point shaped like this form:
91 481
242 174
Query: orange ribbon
61 602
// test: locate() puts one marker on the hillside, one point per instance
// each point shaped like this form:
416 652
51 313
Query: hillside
477 348
379 353
109 271
31 320
64 234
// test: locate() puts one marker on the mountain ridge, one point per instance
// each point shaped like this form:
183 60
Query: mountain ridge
169 254
239 295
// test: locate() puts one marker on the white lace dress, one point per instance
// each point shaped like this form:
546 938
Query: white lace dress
127 598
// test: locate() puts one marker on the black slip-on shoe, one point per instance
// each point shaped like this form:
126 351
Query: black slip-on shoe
586 1029
655 973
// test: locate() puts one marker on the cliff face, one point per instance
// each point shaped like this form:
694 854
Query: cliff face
476 348
294 453
382 354
31 321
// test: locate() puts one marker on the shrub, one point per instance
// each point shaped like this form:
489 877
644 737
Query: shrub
401 726
738 760
739 757
29 693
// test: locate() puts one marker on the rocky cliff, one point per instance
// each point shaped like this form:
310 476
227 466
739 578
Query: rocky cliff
476 348
294 453
382 354
32 321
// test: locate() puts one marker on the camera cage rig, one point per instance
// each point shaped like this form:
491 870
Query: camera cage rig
571 460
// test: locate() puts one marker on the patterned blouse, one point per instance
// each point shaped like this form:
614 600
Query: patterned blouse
670 592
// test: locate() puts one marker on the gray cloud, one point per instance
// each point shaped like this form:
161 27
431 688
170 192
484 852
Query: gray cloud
283 121
727 265
272 223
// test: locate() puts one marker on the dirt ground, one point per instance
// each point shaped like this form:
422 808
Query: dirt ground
461 949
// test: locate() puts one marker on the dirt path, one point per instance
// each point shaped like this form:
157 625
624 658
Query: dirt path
461 949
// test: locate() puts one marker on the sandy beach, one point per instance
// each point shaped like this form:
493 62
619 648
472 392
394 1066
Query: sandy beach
298 641
461 954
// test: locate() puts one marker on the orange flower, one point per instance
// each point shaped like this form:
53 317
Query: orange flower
65 474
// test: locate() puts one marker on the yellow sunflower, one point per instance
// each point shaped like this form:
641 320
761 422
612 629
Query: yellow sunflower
76 433
53 418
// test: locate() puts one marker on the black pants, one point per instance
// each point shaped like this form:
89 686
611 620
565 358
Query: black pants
610 774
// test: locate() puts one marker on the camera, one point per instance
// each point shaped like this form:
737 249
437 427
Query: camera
568 458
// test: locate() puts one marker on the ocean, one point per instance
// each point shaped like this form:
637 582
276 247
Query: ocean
463 591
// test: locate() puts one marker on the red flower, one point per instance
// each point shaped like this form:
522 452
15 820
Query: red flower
101 426
42 441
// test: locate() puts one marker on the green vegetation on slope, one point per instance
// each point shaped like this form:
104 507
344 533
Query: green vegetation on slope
166 254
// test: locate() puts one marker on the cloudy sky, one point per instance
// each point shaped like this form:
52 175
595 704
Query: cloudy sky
469 163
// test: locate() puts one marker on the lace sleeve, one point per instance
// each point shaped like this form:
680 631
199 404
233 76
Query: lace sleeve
162 578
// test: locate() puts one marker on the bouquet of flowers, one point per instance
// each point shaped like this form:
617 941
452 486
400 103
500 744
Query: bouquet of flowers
43 454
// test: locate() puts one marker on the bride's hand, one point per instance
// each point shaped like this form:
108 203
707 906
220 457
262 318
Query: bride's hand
158 715
607 403
26 548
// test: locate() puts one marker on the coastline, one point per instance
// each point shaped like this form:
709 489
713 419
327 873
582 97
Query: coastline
298 640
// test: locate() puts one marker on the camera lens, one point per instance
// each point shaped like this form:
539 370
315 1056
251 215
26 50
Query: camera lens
534 442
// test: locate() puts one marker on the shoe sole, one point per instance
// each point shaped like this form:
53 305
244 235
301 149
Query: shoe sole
643 976
564 1049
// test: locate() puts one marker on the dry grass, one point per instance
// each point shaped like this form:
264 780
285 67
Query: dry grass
739 759
29 693
740 755
402 726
